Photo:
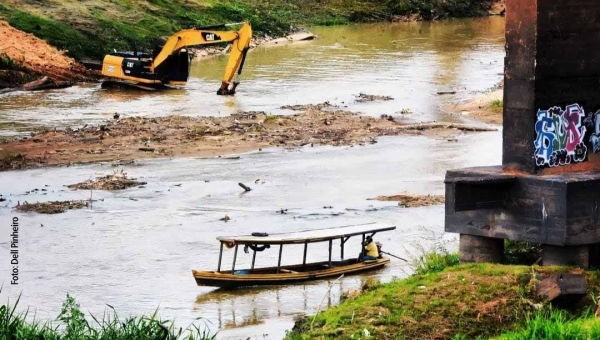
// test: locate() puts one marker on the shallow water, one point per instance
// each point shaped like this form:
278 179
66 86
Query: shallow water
408 61
135 249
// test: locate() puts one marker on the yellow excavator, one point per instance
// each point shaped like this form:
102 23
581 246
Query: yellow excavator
170 65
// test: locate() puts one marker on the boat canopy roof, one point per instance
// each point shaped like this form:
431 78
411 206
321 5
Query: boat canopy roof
309 236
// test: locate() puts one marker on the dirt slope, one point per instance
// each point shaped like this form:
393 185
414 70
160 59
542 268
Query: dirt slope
37 55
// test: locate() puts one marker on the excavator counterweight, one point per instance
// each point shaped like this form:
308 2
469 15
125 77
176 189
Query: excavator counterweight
170 65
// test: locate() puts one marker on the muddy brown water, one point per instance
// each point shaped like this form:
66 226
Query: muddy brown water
135 248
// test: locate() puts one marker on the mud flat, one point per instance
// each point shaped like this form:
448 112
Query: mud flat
408 200
177 136
53 207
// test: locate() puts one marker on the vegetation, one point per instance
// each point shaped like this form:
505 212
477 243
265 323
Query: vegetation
497 105
90 29
523 253
556 325
435 262
444 300
12 73
271 118
75 326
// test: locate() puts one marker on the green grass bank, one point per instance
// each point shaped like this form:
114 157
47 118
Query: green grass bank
72 324
89 29
444 300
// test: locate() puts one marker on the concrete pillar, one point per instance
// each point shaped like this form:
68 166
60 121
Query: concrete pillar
551 72
481 249
566 256
547 190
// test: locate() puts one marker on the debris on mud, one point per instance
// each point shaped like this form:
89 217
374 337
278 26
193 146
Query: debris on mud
307 107
12 161
407 200
142 137
363 98
117 181
43 83
446 126
53 207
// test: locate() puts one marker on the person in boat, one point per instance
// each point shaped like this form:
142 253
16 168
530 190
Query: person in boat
371 250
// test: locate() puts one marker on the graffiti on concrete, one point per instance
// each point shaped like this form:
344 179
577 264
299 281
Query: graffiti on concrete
560 136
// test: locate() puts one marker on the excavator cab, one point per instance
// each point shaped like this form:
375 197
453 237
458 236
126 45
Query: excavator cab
176 68
170 64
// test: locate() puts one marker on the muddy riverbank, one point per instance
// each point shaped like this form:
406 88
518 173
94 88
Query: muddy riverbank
24 58
176 136
486 107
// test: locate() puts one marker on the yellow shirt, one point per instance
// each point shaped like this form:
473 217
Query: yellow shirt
371 249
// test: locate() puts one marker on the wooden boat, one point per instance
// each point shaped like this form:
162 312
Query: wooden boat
291 273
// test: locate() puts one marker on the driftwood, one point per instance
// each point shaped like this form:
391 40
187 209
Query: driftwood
462 127
246 188
44 83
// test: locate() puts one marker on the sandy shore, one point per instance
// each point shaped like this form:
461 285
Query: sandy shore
486 108
177 136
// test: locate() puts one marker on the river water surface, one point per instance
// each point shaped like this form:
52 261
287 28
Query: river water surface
135 249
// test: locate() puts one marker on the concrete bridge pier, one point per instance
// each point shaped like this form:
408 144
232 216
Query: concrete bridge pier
547 189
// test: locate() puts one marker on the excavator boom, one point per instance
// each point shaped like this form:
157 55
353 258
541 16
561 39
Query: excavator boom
170 66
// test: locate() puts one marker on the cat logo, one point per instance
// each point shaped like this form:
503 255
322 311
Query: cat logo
210 36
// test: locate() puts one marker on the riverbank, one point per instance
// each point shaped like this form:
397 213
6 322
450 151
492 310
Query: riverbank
88 30
177 136
473 301
25 58
486 107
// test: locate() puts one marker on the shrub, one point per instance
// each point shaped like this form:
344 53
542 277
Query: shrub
435 262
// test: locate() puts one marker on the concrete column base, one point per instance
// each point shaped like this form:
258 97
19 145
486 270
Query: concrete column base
481 249
566 256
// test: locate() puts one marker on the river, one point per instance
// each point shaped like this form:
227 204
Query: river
135 249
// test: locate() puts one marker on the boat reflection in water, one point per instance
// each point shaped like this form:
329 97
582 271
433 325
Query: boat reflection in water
244 308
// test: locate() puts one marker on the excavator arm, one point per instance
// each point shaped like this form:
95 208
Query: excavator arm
193 37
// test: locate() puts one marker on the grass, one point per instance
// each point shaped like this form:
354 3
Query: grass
466 299
497 105
271 118
91 29
435 261
73 325
444 300
556 325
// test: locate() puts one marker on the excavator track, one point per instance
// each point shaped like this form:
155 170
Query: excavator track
118 84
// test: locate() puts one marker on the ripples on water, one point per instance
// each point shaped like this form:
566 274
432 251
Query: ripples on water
135 249
408 61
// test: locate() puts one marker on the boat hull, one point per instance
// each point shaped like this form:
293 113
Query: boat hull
286 275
